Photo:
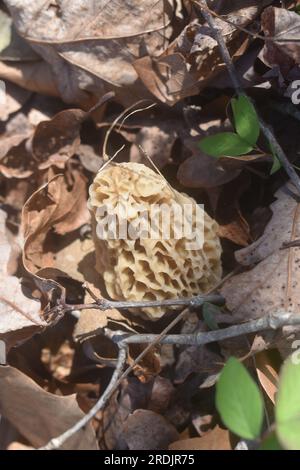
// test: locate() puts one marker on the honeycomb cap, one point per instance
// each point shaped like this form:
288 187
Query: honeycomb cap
150 268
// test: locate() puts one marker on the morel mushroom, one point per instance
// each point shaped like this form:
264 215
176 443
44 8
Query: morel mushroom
148 238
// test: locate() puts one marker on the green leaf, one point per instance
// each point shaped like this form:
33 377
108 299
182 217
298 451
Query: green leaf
276 162
225 143
276 165
287 410
245 119
208 312
239 401
270 443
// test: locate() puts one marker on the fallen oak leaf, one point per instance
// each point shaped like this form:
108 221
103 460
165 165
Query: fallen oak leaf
193 58
15 159
237 231
52 143
57 139
16 97
156 141
59 205
147 430
39 415
133 394
93 322
203 171
272 284
267 373
19 315
281 23
91 47
33 76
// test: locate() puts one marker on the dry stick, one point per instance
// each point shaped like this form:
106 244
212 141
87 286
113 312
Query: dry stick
268 133
57 442
272 321
104 304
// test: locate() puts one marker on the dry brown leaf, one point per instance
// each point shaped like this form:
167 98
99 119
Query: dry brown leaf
157 141
146 430
18 162
17 130
19 315
199 360
53 142
217 439
39 415
149 366
202 171
89 159
161 394
33 76
193 58
15 98
75 258
56 140
60 205
133 395
237 231
17 192
282 24
13 48
267 374
89 47
92 322
272 285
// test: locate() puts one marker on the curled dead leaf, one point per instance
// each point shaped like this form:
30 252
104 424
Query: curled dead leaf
272 283
193 58
59 205
39 415
56 140
281 24
90 48
19 315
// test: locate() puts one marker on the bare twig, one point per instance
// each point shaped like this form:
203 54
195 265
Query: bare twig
268 133
104 304
222 45
57 442
272 321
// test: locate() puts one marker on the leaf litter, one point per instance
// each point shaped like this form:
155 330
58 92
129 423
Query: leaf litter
58 61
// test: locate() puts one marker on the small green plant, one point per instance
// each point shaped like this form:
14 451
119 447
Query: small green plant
240 404
245 137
